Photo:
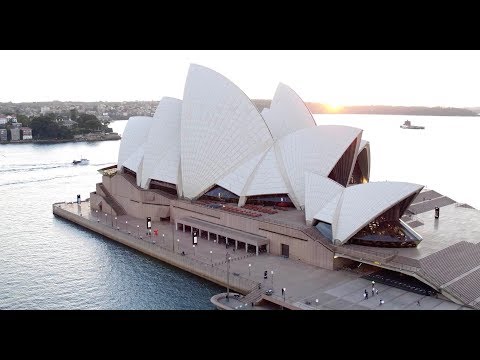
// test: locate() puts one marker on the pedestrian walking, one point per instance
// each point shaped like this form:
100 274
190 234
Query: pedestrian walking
418 302
364 296
381 302
373 284
376 291
373 291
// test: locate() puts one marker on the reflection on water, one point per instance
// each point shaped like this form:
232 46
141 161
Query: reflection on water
49 263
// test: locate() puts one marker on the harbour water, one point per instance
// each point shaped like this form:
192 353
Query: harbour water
48 263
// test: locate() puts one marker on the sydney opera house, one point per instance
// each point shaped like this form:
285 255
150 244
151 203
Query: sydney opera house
269 181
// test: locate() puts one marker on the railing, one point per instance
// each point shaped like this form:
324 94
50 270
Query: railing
164 252
366 254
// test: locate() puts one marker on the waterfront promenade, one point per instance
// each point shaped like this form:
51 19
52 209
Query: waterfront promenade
304 284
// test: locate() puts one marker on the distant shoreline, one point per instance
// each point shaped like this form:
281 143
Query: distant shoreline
53 141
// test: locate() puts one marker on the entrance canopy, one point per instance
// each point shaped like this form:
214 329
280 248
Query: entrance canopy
227 232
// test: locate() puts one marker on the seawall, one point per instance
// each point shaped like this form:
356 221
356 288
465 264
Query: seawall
186 263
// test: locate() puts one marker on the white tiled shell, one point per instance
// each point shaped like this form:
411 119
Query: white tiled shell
287 113
135 161
237 179
315 149
133 138
220 129
365 146
319 191
162 149
363 203
267 178
330 211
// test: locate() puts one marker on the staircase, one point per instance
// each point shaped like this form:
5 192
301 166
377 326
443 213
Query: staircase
253 296
119 210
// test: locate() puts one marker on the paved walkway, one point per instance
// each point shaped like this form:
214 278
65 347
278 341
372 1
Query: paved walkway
304 283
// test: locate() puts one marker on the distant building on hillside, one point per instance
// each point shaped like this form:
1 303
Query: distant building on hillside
15 133
69 123
13 119
3 120
3 135
26 133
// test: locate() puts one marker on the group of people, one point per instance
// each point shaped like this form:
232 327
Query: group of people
374 292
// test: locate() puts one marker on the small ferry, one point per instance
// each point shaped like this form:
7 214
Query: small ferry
408 125
82 161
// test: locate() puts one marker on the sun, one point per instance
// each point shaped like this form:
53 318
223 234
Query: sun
333 108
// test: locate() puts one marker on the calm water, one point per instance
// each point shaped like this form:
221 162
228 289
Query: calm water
48 263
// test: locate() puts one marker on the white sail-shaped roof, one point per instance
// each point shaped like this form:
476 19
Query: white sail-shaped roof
329 213
363 144
220 129
315 149
267 178
288 113
134 162
364 158
134 137
237 179
319 191
362 203
162 149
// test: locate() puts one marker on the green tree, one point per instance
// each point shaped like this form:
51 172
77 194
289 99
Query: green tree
90 122
45 127
74 114
25 120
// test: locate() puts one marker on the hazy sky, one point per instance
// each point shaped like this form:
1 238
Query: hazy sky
430 78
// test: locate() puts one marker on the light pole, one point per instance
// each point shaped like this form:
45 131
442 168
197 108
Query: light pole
163 239
126 225
116 224
193 249
178 245
98 220
105 219
211 257
227 255
283 292
138 230
316 302
249 267
271 272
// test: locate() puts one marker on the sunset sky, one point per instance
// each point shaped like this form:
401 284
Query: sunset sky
420 78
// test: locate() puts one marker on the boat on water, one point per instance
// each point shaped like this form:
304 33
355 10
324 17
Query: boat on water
408 125
82 161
